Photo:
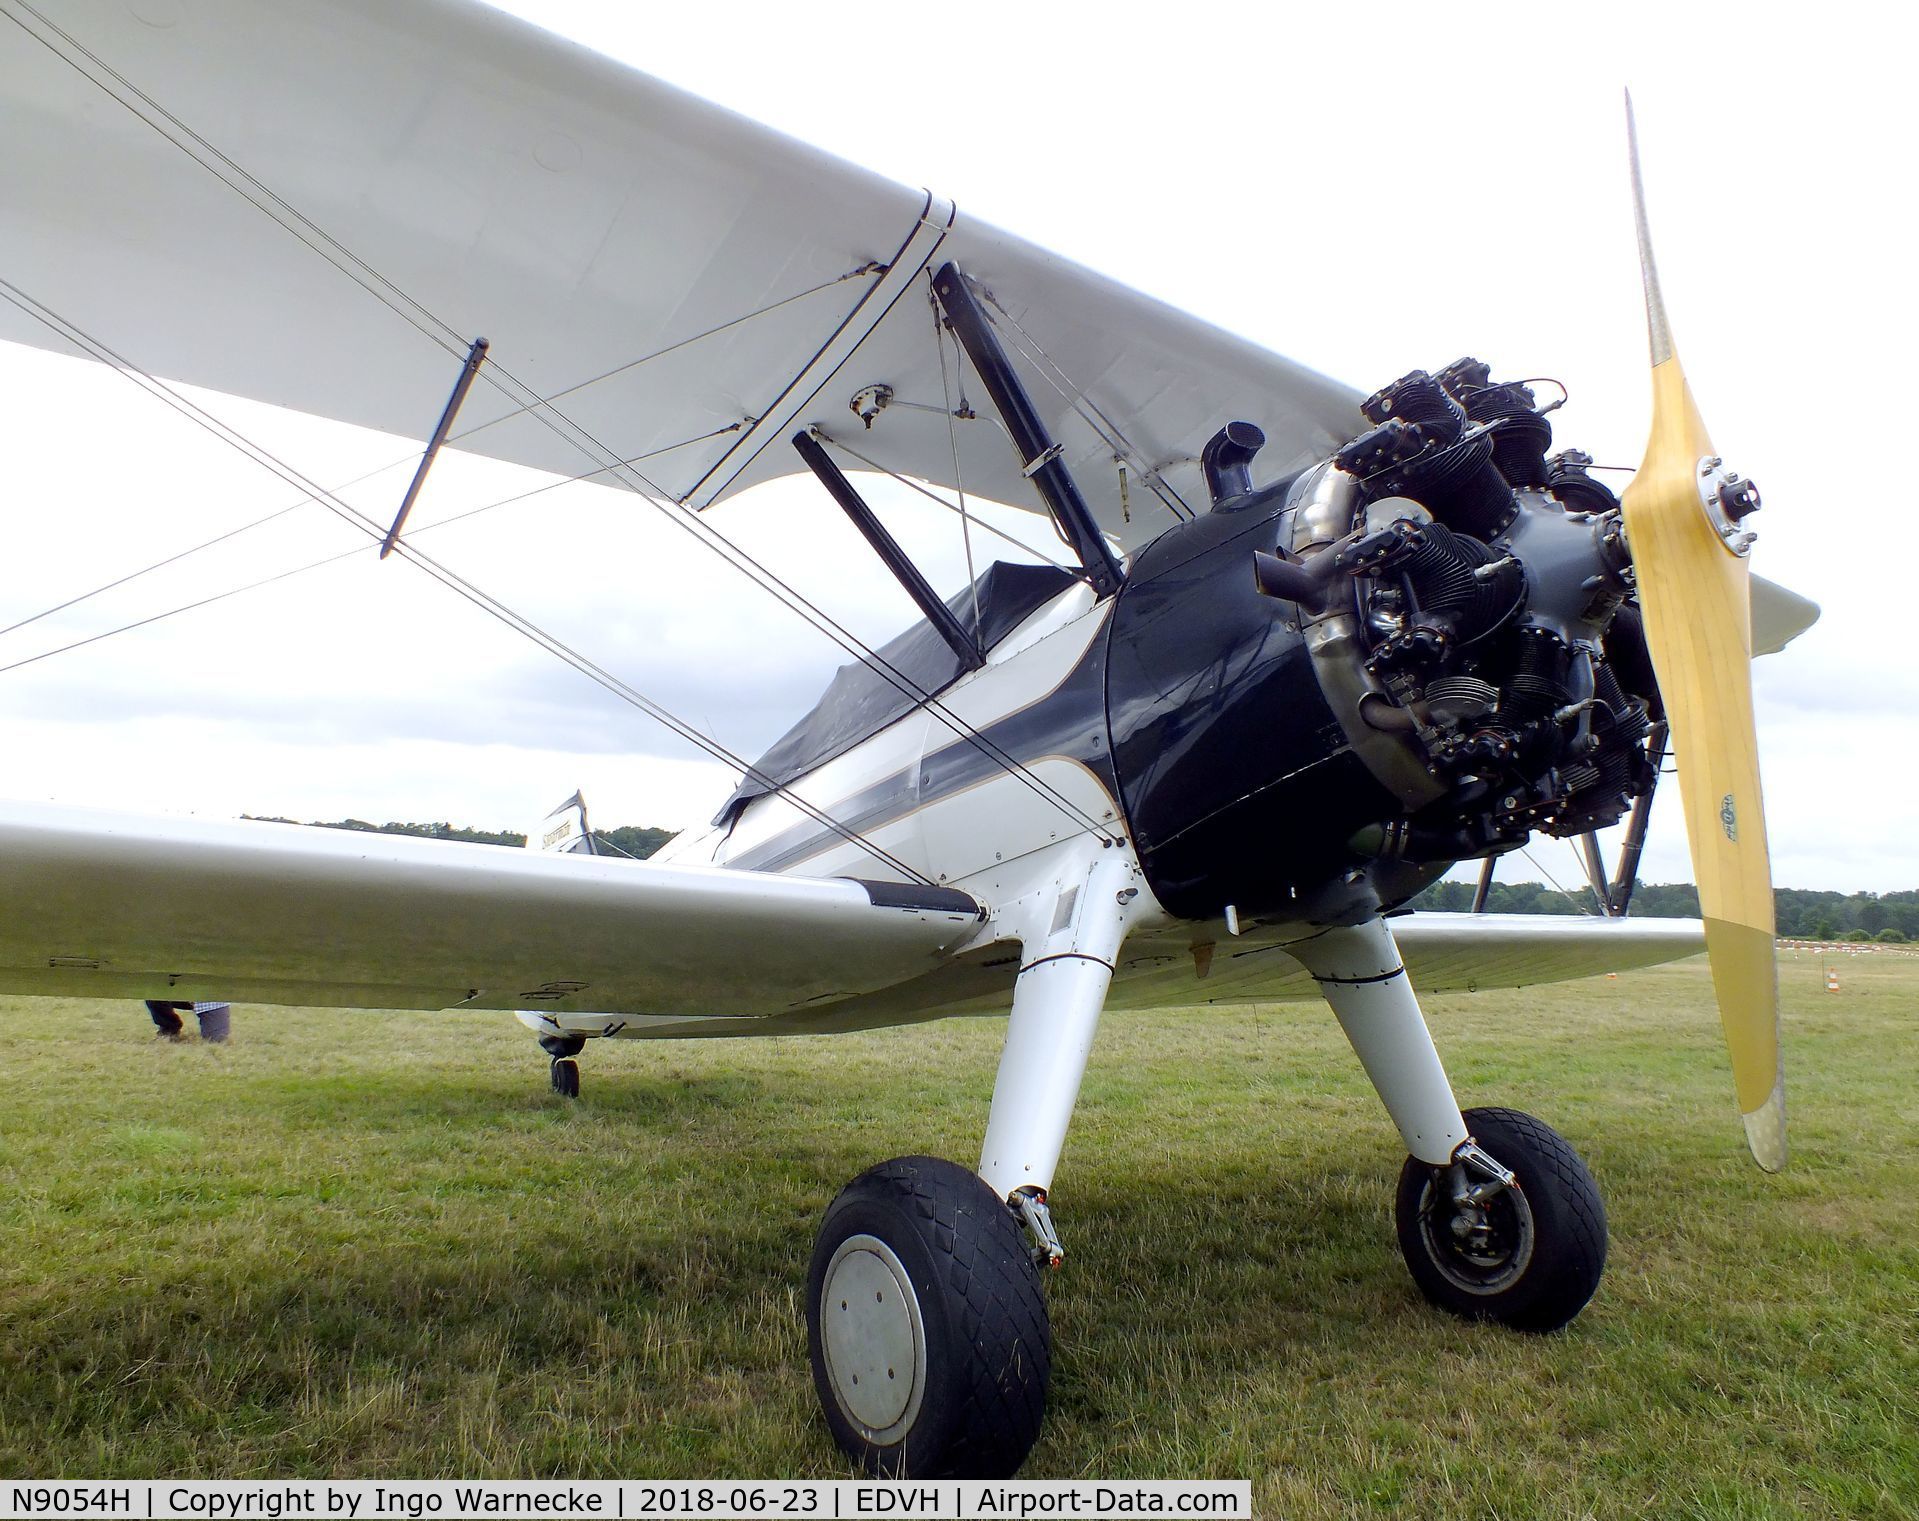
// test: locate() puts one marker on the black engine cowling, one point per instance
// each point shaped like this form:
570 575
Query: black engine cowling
1466 668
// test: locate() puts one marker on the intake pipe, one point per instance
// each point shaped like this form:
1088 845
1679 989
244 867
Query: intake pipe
1227 460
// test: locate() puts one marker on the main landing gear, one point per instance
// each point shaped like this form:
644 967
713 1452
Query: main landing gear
929 1338
1498 1218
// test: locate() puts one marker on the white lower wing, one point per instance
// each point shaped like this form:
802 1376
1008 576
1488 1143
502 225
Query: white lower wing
1443 953
111 905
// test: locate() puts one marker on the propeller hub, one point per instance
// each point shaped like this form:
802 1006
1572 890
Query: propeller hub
1728 499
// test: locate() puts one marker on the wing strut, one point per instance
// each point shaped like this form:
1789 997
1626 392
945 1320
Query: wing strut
474 356
1038 452
949 628
1626 874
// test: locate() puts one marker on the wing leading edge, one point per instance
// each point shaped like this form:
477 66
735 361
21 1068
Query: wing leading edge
112 905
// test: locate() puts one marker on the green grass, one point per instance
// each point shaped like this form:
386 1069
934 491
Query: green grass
374 1245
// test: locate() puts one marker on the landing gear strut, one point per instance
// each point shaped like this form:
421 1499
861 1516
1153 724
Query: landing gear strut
1498 1218
929 1337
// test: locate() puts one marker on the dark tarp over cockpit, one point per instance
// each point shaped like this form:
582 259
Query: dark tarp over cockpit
861 700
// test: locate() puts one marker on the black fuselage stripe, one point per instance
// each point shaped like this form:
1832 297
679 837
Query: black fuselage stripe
1068 722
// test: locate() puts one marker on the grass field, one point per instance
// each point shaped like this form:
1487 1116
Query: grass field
374 1245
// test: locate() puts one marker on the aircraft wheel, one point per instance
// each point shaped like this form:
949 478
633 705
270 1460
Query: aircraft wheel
926 1326
1529 1258
566 1077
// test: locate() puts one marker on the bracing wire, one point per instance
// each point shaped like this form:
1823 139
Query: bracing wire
389 293
1110 432
705 533
324 560
447 577
468 433
933 496
959 481
1578 903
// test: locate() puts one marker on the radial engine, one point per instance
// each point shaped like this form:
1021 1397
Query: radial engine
1465 602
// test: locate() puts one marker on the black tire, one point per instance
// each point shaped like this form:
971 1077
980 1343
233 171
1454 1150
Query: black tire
566 1077
977 1344
1537 1258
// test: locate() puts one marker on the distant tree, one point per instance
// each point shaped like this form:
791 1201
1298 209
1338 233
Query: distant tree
633 840
1665 900
1891 936
1800 913
1446 898
440 831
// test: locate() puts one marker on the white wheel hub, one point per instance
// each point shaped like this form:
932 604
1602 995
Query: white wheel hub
874 1338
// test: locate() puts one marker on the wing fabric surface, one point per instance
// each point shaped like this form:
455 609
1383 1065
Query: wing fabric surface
1447 953
109 905
390 181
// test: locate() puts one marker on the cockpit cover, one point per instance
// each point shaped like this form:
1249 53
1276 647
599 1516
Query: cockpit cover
863 700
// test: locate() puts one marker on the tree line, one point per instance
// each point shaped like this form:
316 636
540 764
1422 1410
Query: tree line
1802 914
629 839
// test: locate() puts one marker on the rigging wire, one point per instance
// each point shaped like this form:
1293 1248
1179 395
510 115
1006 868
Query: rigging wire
501 379
1577 903
871 267
932 496
231 533
306 500
412 457
705 533
1110 432
959 481
324 560
447 577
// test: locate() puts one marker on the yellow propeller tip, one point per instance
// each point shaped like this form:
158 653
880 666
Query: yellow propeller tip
1766 1130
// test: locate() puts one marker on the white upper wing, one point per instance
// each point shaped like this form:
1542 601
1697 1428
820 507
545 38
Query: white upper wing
107 905
320 203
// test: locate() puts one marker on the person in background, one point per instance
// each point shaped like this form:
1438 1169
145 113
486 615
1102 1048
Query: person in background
216 1019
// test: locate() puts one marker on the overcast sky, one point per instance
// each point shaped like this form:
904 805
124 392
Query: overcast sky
1357 189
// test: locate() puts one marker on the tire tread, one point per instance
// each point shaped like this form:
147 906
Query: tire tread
1569 1221
992 1288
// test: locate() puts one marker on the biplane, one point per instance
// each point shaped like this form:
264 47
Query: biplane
1296 652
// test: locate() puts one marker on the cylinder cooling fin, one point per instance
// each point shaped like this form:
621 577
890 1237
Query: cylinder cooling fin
1498 642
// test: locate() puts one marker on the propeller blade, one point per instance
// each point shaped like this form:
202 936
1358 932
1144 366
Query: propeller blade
1683 513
